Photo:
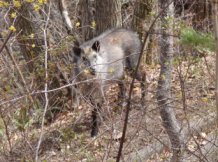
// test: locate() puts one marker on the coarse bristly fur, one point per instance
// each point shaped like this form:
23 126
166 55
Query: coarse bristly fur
107 56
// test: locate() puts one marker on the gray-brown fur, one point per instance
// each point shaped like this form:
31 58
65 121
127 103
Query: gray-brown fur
120 48
107 56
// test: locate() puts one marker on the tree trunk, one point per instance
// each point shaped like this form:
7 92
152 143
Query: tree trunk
141 22
85 20
142 16
164 84
32 51
201 16
215 13
31 47
108 15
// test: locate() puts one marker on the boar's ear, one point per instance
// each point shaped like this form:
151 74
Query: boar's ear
96 46
77 51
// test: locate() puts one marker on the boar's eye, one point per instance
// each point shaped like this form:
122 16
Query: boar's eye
83 58
96 46
94 56
86 61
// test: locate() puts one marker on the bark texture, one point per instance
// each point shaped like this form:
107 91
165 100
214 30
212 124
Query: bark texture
85 16
215 12
164 84
108 15
141 18
141 21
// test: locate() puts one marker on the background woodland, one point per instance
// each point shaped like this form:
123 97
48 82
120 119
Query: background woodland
41 118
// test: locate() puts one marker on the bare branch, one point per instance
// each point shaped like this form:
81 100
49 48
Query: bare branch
46 84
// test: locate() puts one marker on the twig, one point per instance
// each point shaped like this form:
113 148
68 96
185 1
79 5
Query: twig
6 41
18 69
8 37
46 84
6 130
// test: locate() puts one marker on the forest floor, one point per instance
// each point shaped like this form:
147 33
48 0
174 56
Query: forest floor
68 137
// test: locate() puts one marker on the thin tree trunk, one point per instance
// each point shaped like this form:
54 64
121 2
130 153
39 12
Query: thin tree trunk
65 15
108 15
215 12
164 84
